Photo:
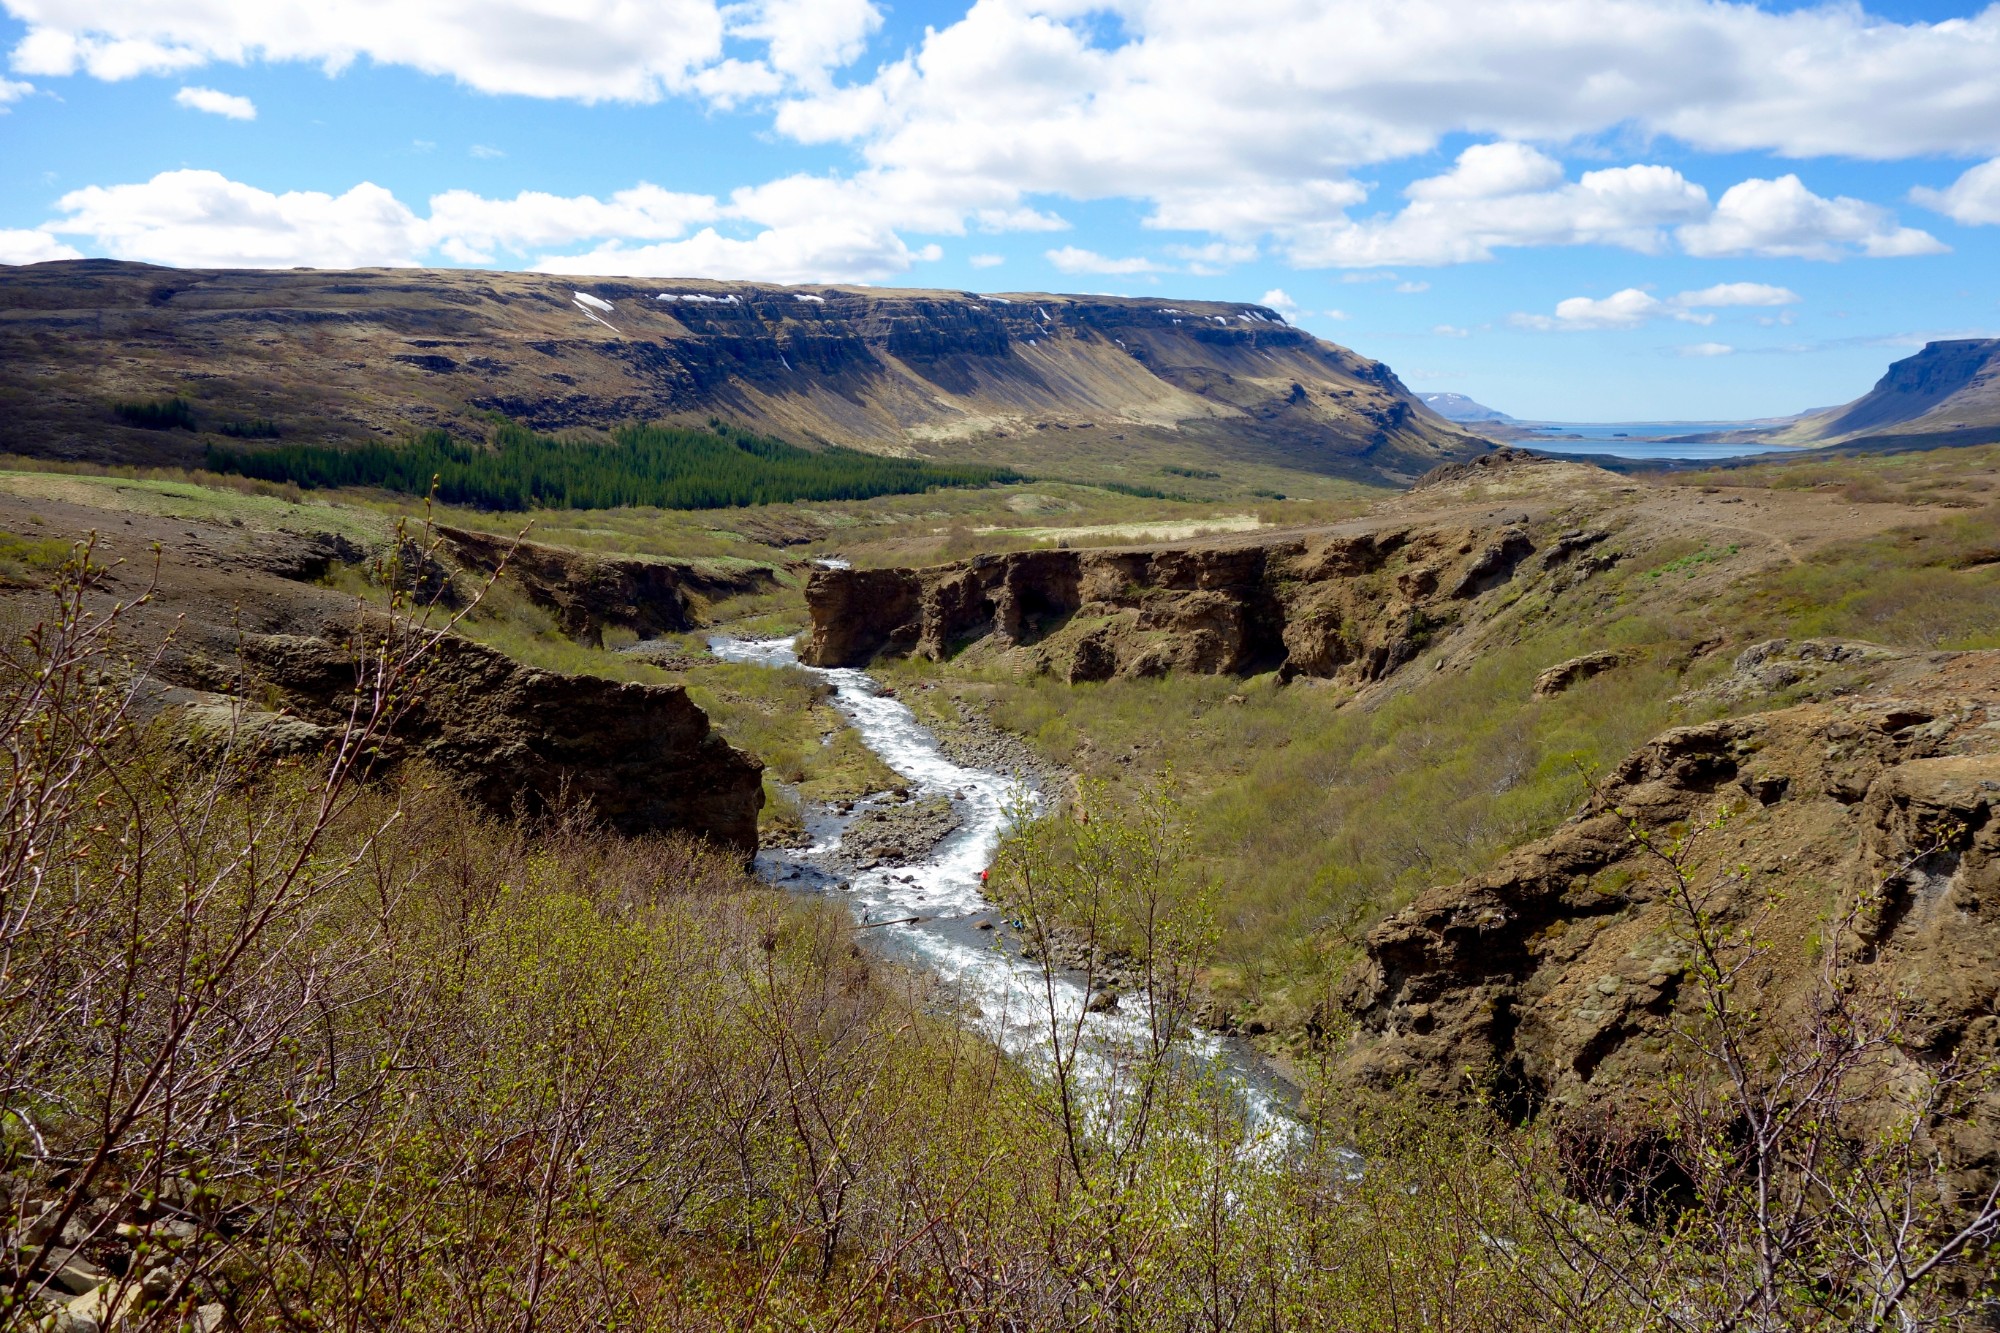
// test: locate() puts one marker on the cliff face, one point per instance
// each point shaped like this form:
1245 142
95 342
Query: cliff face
1555 978
376 354
516 739
1949 389
1346 605
588 593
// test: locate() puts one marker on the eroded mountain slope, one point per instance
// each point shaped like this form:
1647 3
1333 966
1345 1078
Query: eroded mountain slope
1949 390
376 354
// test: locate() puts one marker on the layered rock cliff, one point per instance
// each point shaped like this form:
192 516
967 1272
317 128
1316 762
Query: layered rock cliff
1351 604
376 354
1557 977
519 740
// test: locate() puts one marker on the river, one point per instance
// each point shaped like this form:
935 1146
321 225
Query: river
936 903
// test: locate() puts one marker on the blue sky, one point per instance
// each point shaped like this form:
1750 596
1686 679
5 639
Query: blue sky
1569 209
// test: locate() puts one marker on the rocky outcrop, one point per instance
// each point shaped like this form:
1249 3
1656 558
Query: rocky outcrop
1555 977
1335 604
519 740
588 592
1564 675
1495 463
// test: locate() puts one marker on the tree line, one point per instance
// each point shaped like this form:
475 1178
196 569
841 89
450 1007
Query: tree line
663 466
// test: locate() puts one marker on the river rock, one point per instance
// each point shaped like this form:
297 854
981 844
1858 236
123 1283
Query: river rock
895 833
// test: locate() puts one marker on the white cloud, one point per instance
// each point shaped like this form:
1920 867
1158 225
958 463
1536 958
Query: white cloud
1973 199
806 38
1626 309
216 103
1277 300
1451 331
1782 218
1412 288
1509 195
1072 259
204 219
470 228
1269 92
1506 195
486 152
32 247
1705 349
987 261
1490 170
1239 208
13 90
1250 119
830 252
585 50
1213 258
1017 219
1633 306
1740 293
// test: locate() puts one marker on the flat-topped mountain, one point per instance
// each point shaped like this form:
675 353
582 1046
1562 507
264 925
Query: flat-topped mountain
1949 389
314 356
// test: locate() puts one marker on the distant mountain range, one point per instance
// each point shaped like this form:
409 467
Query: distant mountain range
1457 407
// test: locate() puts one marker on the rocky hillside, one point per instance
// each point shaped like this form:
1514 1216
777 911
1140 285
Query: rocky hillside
373 355
1949 391
1862 820
236 636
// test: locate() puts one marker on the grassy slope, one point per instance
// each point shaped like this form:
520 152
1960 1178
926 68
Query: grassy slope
1314 819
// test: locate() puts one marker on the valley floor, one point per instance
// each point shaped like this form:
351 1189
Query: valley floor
611 1080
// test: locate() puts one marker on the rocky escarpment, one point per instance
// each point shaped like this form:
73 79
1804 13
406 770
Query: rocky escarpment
375 355
1556 978
588 593
1949 389
242 651
520 740
1343 604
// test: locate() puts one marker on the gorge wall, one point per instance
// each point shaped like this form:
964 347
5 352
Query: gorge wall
1866 821
1352 604
372 355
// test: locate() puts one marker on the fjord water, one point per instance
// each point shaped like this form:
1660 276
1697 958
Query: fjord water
1664 440
929 910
